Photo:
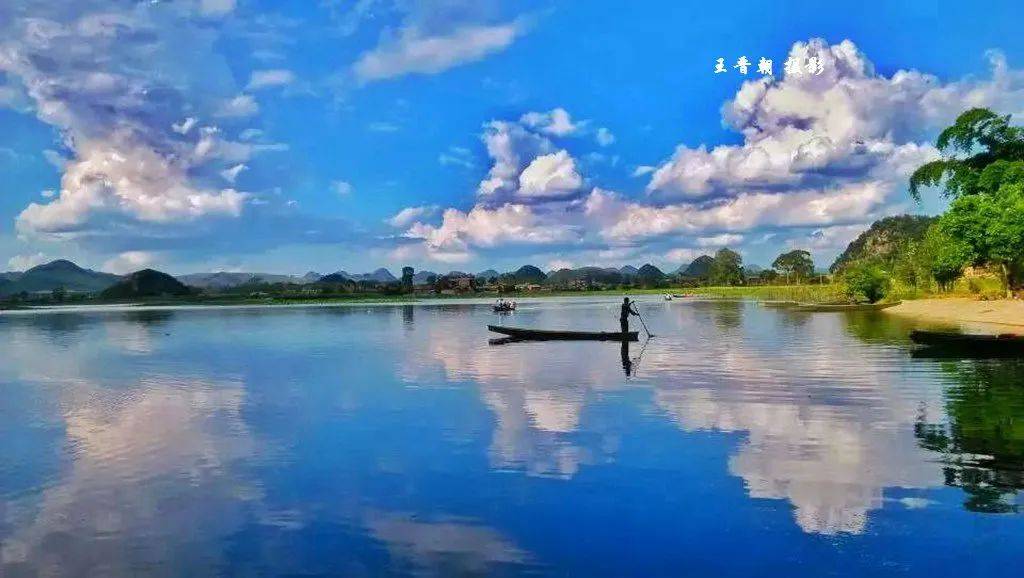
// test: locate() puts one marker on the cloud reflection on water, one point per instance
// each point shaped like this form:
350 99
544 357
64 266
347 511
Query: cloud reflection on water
828 423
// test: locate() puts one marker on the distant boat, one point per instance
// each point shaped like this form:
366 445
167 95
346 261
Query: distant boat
668 297
555 335
505 307
1003 344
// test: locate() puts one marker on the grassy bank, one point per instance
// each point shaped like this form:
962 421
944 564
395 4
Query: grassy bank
831 293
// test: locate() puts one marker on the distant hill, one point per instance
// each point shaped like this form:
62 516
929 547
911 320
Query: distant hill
649 273
752 270
699 268
340 277
884 239
311 277
567 277
629 271
421 277
146 283
529 274
381 275
488 274
60 274
226 280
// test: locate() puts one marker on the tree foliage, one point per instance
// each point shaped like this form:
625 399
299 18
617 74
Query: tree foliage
985 138
982 170
796 264
866 281
727 268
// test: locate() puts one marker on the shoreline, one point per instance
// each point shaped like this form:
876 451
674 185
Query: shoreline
968 314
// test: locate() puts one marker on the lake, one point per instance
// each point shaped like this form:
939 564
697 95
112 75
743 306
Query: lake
394 441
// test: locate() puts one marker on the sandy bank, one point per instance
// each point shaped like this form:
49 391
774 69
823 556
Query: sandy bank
964 312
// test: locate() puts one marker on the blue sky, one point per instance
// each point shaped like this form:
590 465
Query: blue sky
258 135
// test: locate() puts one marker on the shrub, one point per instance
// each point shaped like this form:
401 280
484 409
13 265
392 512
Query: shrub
866 282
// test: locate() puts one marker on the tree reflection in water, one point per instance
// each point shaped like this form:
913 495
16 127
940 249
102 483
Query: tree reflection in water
982 442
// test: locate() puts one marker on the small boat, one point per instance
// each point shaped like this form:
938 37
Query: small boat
668 297
1003 344
523 334
505 308
830 307
682 295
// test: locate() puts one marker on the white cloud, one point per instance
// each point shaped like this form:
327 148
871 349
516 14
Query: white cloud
231 174
556 264
630 221
123 177
513 148
683 255
460 232
414 52
261 79
604 137
409 215
129 262
241 106
26 262
342 188
185 126
552 176
458 156
723 240
126 103
57 160
827 238
557 122
642 170
848 124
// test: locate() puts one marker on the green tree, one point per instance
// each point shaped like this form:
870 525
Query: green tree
941 257
866 281
991 228
982 169
995 152
407 275
796 265
727 268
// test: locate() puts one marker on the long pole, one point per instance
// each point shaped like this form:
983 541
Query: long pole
649 335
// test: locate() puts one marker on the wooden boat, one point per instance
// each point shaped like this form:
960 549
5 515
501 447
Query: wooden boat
839 307
504 308
1003 344
682 295
523 334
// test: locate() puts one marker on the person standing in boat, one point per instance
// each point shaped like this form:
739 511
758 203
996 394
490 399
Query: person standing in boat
626 311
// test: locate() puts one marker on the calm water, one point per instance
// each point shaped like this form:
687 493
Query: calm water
370 441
